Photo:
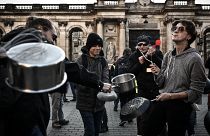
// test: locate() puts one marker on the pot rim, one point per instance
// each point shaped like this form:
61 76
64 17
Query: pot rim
122 75
58 60
38 91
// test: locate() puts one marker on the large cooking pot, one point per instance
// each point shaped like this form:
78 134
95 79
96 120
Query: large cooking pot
134 108
36 67
124 82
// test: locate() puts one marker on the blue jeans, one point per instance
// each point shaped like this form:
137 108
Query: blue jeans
92 122
36 131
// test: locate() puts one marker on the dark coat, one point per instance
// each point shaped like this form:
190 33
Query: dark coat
146 85
86 96
20 112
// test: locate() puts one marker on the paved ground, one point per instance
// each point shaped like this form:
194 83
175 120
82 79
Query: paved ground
75 126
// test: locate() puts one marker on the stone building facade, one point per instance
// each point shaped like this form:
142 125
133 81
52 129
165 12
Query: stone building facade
117 22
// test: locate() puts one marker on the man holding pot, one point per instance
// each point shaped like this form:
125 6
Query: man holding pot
92 109
25 114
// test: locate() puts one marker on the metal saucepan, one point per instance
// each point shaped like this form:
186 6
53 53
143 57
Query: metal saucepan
107 96
124 82
134 108
36 67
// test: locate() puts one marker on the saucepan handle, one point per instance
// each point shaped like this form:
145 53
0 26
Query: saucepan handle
115 87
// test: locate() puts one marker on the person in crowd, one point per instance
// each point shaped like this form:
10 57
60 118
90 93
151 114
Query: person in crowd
25 114
181 80
121 66
65 99
73 90
89 106
139 65
57 107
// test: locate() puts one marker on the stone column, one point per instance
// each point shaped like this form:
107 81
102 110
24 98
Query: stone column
62 37
168 24
122 37
100 28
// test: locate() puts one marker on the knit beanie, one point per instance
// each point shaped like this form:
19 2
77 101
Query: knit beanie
143 38
94 39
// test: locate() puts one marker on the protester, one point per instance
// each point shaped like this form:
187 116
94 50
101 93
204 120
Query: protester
91 108
139 65
121 67
57 107
25 114
182 80
73 90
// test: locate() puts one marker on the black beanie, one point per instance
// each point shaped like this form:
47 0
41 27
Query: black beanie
94 39
143 38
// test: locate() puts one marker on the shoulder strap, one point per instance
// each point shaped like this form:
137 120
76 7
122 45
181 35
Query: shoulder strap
103 62
84 61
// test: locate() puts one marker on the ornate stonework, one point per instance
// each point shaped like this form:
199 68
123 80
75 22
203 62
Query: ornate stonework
115 21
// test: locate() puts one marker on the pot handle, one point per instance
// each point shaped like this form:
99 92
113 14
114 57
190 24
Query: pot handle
116 88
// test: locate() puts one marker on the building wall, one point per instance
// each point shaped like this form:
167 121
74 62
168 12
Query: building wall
114 21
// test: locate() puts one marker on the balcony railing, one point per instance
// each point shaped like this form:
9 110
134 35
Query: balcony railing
180 3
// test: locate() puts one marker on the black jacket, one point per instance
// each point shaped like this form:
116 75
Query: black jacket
86 96
146 85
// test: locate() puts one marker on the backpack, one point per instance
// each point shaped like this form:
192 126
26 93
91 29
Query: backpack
122 65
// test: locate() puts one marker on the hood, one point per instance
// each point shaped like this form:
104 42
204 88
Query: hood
186 51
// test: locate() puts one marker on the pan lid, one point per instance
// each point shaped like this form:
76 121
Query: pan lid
134 108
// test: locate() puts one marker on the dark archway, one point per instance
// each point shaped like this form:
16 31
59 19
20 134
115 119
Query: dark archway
75 43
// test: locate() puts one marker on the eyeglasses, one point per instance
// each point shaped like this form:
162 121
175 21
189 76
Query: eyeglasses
140 44
179 29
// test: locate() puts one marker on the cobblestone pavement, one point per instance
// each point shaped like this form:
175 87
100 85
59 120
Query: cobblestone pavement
75 126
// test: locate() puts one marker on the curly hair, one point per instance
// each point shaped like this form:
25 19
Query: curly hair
190 28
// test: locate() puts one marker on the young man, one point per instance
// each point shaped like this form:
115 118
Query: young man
182 80
91 108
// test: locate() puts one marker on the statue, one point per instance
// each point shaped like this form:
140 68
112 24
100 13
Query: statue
110 52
